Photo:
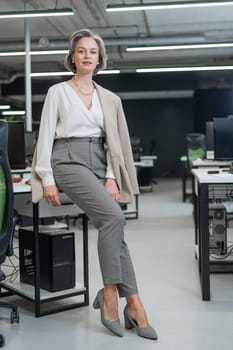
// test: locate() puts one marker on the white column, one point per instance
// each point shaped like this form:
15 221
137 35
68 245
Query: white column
28 87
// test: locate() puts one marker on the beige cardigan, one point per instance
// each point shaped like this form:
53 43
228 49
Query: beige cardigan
119 149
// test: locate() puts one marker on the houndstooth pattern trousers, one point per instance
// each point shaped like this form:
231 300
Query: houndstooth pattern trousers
79 167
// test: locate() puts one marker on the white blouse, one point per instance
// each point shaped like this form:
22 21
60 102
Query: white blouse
65 115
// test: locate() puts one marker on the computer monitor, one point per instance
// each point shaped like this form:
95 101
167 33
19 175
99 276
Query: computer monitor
16 144
223 138
30 141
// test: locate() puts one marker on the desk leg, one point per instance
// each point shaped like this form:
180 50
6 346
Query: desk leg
183 183
184 166
204 241
195 210
136 205
37 258
85 259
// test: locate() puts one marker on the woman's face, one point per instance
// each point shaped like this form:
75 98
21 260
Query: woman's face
86 55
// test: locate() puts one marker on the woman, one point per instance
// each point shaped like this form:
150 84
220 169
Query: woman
84 149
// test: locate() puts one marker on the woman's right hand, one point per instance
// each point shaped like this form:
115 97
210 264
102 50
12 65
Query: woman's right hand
51 195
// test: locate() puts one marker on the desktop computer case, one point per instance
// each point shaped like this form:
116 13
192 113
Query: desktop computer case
217 229
57 258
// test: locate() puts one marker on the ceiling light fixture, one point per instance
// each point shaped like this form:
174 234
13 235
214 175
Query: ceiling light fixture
34 53
11 112
39 13
55 74
8 54
179 47
49 52
2 107
166 5
50 74
109 71
183 69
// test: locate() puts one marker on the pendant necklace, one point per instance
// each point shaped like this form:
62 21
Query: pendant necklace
80 89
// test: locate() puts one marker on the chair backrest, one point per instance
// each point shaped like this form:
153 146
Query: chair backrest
136 147
6 196
196 146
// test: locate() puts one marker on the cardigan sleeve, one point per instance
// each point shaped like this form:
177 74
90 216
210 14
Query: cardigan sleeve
123 132
46 137
109 172
126 148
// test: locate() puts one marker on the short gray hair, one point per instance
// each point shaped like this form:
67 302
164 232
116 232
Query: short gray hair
74 38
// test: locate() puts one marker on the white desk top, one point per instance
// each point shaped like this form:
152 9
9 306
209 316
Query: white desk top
205 163
22 203
219 177
21 171
148 157
21 187
209 163
146 161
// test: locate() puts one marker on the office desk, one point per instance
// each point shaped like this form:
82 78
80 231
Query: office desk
33 293
207 187
206 163
144 171
198 163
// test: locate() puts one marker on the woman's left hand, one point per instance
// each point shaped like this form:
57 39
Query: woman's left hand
111 187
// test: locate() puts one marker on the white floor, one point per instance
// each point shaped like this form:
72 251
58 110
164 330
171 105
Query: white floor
162 247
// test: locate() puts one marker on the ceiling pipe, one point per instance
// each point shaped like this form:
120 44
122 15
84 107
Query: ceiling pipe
12 78
58 44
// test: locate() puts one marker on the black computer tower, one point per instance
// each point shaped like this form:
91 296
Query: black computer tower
217 229
57 258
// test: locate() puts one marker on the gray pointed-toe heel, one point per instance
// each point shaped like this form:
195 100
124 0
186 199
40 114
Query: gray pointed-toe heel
113 326
147 332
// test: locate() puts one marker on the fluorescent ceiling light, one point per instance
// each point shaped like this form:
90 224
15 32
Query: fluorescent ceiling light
166 5
2 107
11 112
49 52
183 69
9 54
34 53
39 13
54 74
50 74
109 71
179 47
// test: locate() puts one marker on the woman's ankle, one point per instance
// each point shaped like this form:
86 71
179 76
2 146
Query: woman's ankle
136 310
110 303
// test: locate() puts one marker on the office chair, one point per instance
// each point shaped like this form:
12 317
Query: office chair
136 147
196 147
7 217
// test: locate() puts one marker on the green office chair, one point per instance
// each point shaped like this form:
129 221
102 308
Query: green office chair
7 216
196 147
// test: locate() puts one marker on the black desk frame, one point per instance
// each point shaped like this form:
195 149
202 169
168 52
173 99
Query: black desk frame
184 170
37 297
201 214
133 214
201 196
